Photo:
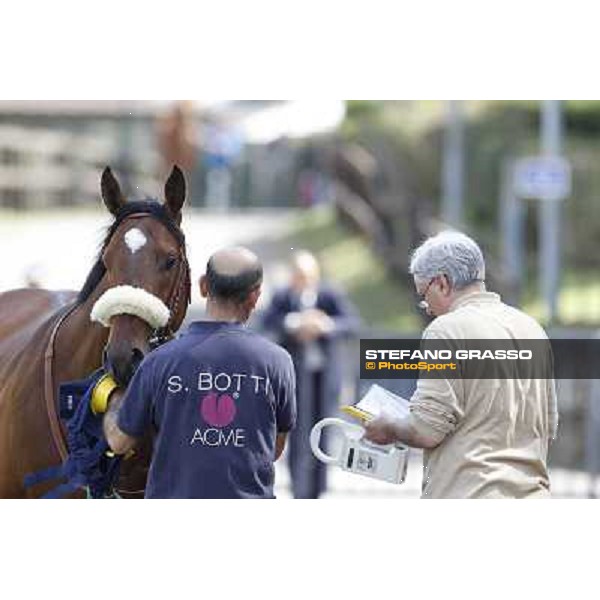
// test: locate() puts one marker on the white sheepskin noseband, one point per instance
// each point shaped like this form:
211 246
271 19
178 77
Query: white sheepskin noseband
129 300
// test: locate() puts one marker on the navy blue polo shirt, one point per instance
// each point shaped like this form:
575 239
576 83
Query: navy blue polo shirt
216 398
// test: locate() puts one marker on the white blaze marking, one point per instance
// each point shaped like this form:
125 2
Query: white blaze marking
135 239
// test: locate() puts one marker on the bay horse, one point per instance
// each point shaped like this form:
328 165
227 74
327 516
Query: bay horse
138 288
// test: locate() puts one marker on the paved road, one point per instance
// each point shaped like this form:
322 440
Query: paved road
343 485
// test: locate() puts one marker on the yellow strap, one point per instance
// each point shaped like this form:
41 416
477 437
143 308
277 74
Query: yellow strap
357 413
127 456
101 394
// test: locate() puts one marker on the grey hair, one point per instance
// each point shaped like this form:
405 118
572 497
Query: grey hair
449 253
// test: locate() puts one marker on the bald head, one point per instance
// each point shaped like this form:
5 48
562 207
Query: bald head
234 261
232 273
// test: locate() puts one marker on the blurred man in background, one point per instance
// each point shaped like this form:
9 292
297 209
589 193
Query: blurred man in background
222 146
309 319
483 438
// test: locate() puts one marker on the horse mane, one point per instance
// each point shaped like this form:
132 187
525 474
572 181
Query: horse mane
150 207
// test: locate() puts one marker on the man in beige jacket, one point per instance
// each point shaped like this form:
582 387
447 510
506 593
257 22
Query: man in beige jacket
482 438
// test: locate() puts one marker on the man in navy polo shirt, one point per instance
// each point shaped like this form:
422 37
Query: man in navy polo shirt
220 399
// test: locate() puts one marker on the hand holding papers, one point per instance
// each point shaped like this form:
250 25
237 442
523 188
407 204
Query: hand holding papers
356 454
379 402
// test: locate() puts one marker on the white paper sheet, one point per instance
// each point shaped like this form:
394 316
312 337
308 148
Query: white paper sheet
379 401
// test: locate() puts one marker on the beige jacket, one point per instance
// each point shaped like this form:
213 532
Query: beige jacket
497 431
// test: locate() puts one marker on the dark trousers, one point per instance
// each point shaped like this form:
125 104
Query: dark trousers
309 475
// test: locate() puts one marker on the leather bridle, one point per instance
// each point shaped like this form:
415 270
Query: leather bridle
180 292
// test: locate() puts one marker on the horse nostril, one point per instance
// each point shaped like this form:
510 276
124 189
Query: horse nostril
123 363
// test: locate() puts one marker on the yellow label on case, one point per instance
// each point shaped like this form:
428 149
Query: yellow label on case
357 413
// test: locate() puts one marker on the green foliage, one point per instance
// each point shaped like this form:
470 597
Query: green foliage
360 109
582 118
496 133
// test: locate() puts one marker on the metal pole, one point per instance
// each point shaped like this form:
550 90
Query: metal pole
550 212
592 427
453 165
512 220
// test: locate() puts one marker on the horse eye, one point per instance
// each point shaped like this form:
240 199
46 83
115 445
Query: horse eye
170 262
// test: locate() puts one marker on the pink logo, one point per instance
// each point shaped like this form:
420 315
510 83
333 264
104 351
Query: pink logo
218 411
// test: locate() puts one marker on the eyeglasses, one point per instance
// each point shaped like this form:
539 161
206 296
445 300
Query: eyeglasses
423 304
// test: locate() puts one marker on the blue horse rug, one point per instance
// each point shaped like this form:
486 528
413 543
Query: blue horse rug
90 465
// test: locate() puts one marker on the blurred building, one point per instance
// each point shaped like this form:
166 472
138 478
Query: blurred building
51 152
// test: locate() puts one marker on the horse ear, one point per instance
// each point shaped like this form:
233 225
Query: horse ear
175 192
111 191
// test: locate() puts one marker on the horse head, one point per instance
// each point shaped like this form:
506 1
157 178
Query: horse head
147 279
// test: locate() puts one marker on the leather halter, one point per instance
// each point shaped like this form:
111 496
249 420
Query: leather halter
58 434
182 280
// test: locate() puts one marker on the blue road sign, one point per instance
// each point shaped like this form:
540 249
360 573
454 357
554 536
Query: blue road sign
542 178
